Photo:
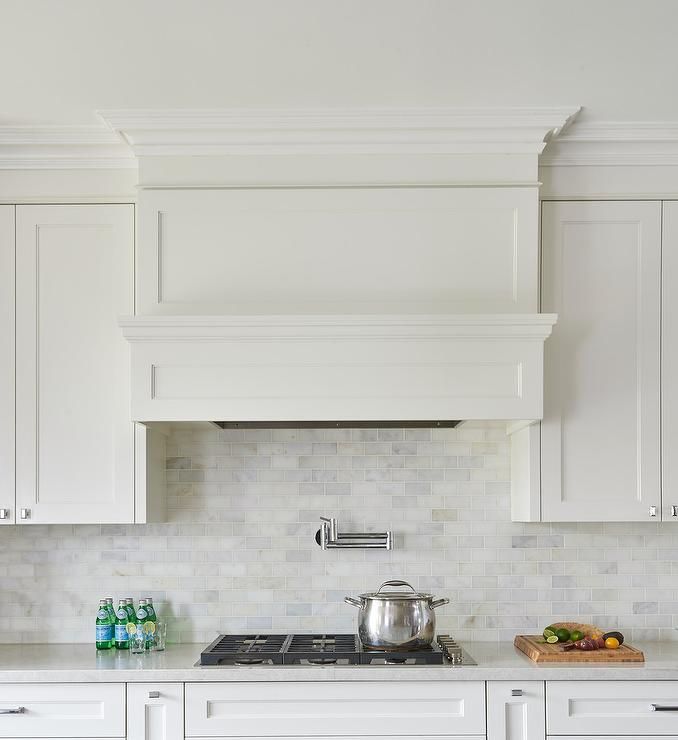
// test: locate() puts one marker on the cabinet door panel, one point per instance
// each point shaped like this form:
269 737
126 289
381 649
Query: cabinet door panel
7 365
670 361
75 439
515 710
155 711
600 434
63 710
354 709
611 708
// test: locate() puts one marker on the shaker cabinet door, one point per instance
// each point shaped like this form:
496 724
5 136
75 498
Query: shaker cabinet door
516 710
155 711
670 361
74 437
7 509
600 436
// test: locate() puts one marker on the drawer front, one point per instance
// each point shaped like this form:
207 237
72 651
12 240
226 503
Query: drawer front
62 710
155 711
611 707
341 708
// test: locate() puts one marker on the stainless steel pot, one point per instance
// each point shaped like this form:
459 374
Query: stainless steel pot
396 620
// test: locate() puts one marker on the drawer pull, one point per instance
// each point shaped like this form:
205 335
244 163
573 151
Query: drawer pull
153 694
663 708
516 692
16 710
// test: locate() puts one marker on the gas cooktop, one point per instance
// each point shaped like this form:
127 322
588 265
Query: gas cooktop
324 649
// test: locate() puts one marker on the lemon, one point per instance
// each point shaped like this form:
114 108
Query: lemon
149 627
131 628
612 643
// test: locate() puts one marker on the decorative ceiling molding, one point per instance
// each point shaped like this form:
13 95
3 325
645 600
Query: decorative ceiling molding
614 143
63 147
512 130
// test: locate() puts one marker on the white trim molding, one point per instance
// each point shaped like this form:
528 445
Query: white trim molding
510 130
614 143
523 327
63 148
336 368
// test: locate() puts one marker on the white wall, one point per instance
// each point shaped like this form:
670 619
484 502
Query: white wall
616 57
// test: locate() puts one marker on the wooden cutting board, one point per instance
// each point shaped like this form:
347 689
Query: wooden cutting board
540 651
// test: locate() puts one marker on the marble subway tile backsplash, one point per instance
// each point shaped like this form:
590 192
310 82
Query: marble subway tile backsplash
238 552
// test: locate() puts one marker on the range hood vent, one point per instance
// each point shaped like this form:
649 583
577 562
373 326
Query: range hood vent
390 424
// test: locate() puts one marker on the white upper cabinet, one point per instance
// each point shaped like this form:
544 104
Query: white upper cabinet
74 437
600 437
7 511
670 361
365 250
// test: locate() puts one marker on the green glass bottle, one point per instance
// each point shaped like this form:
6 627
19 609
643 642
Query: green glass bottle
142 619
104 627
152 617
129 604
121 620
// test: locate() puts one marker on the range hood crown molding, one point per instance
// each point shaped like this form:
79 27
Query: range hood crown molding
507 327
213 132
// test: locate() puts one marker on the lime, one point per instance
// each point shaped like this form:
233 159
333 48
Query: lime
131 628
551 639
576 635
149 627
563 634
548 632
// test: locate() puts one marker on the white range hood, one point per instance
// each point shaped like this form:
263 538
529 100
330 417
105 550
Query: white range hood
336 267
337 368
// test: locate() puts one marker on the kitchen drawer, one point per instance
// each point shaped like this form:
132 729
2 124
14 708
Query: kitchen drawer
347 709
73 710
611 708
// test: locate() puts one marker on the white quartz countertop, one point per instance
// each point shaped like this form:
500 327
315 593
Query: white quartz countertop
496 661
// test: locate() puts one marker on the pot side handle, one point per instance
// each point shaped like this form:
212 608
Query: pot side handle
353 602
439 602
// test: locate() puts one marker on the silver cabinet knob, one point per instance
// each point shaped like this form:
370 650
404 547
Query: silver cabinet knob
25 513
516 692
4 513
653 511
674 511
153 694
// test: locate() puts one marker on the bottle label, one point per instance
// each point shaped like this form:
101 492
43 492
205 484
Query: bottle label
104 632
121 633
122 614
102 614
141 614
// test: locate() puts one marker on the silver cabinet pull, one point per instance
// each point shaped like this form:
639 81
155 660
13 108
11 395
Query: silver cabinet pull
153 694
16 710
4 513
674 511
663 708
25 513
516 692
653 511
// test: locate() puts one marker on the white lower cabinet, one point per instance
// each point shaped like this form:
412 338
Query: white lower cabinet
515 710
617 708
155 711
338 709
73 710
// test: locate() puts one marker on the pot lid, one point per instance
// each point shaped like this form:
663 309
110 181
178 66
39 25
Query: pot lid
396 595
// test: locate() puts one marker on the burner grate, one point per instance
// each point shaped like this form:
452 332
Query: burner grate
432 655
245 650
322 650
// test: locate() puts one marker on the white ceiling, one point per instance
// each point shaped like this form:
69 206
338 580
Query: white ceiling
63 60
